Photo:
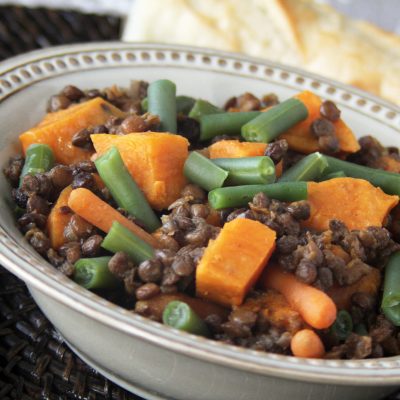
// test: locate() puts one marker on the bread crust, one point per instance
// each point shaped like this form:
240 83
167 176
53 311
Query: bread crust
304 33
351 51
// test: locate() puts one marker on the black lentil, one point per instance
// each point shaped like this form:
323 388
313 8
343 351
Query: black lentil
322 127
72 93
13 170
147 291
120 264
83 180
91 247
150 271
330 111
60 176
58 102
277 150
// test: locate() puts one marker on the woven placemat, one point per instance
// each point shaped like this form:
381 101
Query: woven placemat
23 29
34 361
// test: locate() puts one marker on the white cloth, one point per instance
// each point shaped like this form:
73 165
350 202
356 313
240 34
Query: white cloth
384 13
111 7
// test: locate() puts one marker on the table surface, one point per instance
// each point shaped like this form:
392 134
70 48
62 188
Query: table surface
36 361
385 13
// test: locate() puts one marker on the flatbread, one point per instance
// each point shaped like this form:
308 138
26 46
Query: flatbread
303 33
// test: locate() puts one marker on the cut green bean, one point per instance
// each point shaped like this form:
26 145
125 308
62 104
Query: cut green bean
39 158
228 123
278 119
93 273
361 330
161 97
203 107
310 168
333 175
203 172
343 325
183 104
239 196
391 289
19 212
120 238
389 182
247 170
144 104
124 189
180 315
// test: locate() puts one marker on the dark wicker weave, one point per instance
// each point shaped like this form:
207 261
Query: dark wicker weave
23 29
34 362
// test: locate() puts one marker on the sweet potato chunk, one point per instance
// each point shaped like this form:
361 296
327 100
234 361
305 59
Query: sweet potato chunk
236 149
57 130
58 219
155 306
355 202
275 309
299 137
56 115
390 164
234 260
341 295
315 306
154 159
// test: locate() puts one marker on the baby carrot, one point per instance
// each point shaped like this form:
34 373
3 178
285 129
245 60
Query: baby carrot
306 343
316 307
100 214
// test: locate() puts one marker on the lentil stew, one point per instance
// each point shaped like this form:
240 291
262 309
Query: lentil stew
258 223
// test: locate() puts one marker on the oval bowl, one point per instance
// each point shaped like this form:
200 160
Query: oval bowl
145 357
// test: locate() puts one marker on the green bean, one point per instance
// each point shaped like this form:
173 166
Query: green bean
343 325
361 330
239 196
124 189
202 171
332 175
229 123
161 97
247 170
144 104
120 238
183 104
391 289
310 168
203 107
389 182
93 273
278 119
39 158
180 315
19 212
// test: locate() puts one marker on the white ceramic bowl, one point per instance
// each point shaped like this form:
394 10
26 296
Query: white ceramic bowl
145 357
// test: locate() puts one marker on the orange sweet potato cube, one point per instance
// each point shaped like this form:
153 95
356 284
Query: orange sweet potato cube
236 149
355 202
300 138
233 262
57 130
155 161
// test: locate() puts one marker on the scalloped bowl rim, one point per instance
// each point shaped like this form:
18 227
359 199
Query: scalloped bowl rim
383 371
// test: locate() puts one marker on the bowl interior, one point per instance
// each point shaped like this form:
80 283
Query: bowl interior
26 83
